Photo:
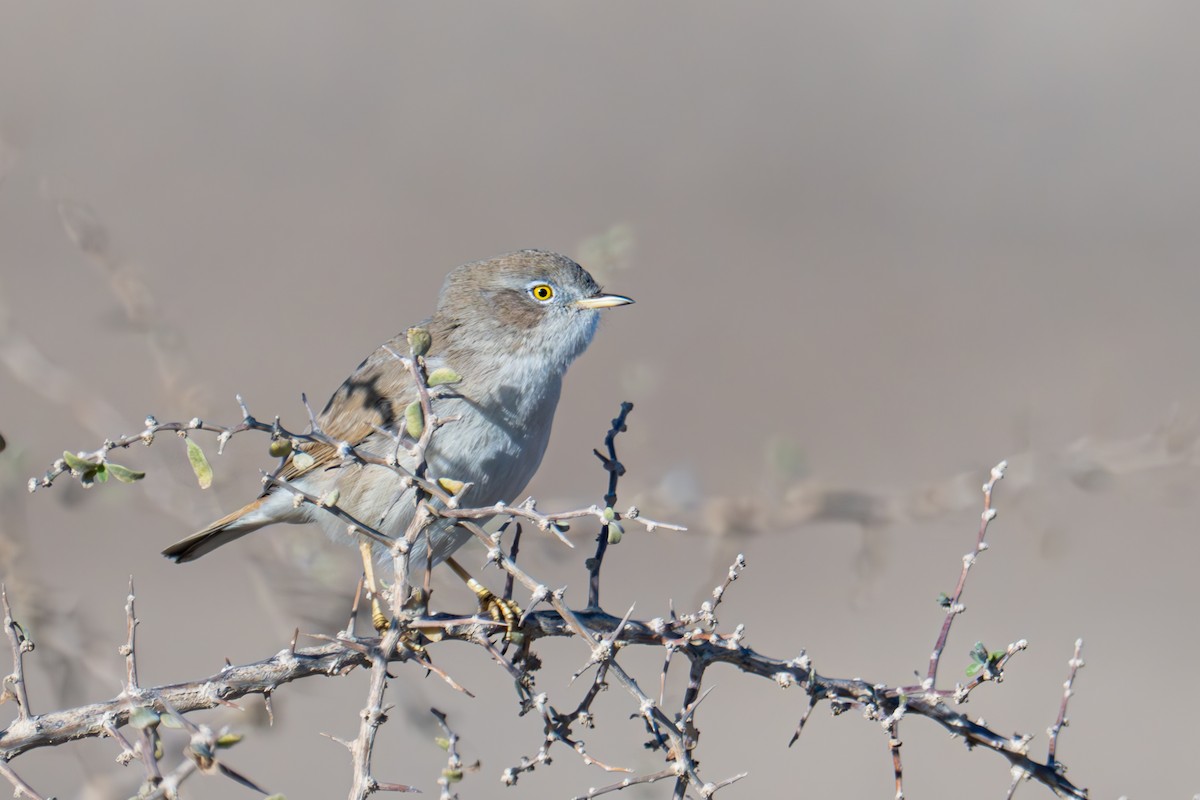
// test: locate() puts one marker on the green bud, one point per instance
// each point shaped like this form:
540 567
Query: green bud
442 375
450 485
615 532
442 742
419 341
414 419
280 448
609 514
452 775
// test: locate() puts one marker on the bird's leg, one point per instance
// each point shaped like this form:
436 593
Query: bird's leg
378 618
498 608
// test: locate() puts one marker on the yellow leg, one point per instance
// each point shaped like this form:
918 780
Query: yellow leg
497 608
378 618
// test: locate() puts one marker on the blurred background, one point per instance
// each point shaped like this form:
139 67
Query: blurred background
875 249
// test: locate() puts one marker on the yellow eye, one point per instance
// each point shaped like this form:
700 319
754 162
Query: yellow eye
542 292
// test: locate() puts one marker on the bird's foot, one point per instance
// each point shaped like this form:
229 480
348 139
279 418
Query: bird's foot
500 609
379 620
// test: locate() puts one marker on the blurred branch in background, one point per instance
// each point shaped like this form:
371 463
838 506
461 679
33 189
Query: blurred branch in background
789 502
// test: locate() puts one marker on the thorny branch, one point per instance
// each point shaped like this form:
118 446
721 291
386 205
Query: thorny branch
615 470
414 629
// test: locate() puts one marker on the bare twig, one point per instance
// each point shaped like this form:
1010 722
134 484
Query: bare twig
14 684
955 607
20 787
1075 663
128 649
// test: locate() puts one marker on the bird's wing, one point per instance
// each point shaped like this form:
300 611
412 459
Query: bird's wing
375 395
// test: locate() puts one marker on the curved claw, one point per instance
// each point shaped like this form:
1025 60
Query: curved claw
500 610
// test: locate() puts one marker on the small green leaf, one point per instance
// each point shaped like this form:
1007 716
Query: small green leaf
228 739
143 717
452 775
77 464
943 600
200 465
442 742
171 721
125 474
442 375
102 473
979 653
88 479
973 668
414 419
419 341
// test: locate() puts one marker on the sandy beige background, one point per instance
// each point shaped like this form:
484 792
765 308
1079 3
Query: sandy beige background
874 247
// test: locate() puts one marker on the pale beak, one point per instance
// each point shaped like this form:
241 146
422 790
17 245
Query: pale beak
603 301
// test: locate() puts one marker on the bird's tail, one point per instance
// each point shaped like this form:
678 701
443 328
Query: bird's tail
234 526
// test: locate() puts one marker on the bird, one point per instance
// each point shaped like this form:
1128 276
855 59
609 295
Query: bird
508 328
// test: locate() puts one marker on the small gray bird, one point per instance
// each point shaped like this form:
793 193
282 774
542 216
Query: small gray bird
509 326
